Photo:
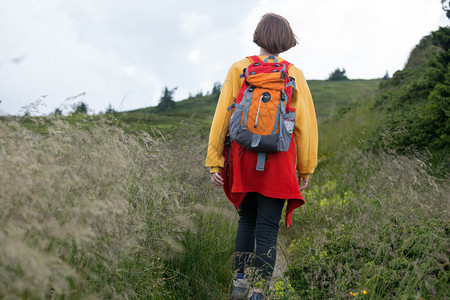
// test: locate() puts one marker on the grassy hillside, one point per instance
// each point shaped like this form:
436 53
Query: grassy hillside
417 98
94 208
201 105
329 97
90 211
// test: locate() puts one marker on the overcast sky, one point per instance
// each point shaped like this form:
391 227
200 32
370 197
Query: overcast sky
124 52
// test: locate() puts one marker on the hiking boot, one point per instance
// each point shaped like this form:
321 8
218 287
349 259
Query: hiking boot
257 296
240 287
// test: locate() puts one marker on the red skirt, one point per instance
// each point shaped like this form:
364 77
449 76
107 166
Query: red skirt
278 180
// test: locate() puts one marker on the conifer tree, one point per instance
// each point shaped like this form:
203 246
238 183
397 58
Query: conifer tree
166 103
81 108
338 75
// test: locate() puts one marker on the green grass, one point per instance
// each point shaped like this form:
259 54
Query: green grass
375 223
200 105
165 123
201 109
329 97
203 270
121 207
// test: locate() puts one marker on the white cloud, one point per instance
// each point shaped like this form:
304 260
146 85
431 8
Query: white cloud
365 37
193 23
124 53
194 55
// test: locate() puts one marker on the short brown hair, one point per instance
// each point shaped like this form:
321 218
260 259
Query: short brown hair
274 34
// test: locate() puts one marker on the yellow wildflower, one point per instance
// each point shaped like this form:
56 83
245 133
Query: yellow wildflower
364 292
353 294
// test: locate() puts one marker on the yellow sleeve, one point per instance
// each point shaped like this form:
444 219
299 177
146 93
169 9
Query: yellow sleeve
221 121
220 125
305 131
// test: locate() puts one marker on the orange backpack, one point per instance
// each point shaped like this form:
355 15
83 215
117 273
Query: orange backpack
262 119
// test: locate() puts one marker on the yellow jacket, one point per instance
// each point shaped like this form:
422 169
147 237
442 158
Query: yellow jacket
305 131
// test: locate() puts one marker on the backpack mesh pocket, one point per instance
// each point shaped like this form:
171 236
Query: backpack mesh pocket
285 134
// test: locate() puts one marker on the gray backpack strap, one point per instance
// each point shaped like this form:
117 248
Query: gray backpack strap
247 99
271 57
227 144
292 82
261 161
231 106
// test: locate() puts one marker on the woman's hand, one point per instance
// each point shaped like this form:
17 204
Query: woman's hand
216 179
303 184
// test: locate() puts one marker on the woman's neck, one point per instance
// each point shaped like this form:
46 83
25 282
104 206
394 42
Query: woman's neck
264 52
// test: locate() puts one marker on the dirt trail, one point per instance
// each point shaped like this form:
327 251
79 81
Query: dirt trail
281 262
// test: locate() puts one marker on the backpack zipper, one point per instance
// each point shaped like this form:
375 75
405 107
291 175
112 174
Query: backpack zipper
257 114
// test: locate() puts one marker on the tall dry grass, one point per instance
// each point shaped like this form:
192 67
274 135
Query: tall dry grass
90 212
94 212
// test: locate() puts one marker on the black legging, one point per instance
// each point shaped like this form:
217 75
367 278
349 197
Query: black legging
259 221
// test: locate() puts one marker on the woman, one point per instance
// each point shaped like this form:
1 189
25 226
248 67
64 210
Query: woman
260 195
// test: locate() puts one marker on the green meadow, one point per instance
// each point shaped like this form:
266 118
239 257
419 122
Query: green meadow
329 98
120 206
